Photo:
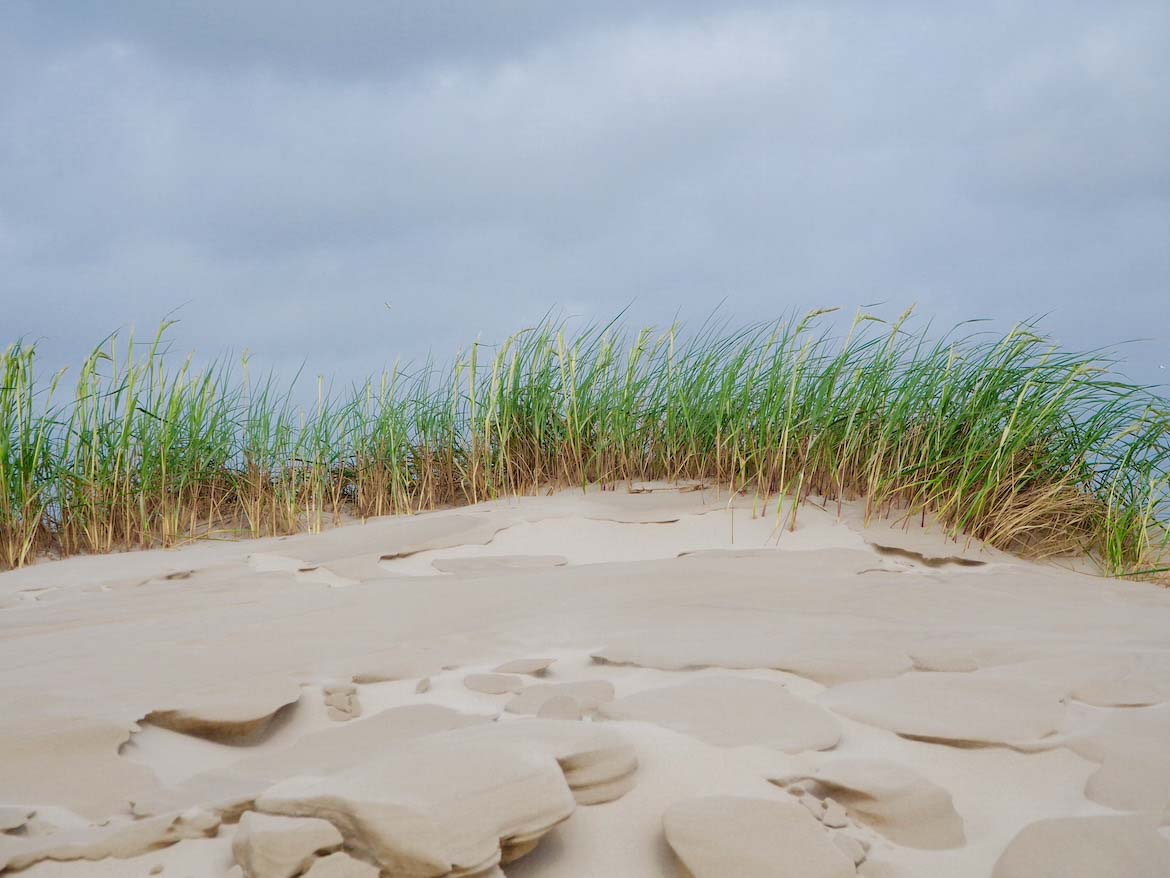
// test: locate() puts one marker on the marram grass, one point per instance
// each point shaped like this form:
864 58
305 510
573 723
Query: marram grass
1009 439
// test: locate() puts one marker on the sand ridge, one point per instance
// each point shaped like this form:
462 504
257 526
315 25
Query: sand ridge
591 675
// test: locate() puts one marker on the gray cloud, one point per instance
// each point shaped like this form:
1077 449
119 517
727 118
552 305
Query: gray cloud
286 173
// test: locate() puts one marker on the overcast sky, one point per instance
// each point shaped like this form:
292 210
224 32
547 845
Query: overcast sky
281 171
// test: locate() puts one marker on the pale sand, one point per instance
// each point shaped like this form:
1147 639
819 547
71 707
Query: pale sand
918 711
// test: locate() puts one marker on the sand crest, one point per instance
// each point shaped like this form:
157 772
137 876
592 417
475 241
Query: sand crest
598 762
751 838
493 684
893 799
281 847
121 841
588 695
959 708
436 807
731 712
755 646
535 667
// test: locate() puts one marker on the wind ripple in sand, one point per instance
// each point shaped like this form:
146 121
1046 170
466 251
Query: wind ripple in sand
719 837
749 645
598 762
1086 847
588 694
893 799
487 565
334 749
434 807
240 719
493 684
733 712
953 708
535 667
1133 747
120 840
281 847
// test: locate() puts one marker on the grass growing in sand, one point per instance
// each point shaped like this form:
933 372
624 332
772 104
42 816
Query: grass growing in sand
1010 439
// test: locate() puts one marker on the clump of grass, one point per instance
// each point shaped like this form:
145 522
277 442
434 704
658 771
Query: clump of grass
1009 439
26 464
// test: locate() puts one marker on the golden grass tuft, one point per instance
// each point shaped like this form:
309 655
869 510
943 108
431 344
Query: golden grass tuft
1008 438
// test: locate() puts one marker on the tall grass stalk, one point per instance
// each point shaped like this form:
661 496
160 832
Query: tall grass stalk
1010 439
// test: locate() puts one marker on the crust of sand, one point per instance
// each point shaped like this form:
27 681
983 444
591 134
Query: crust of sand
899 803
141 686
730 712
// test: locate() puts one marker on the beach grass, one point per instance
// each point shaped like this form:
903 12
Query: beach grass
1007 438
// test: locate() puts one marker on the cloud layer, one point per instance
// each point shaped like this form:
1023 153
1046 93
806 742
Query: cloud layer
282 175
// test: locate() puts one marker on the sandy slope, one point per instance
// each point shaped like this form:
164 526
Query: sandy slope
955 703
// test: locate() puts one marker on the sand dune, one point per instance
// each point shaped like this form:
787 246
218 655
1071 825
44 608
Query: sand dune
608 683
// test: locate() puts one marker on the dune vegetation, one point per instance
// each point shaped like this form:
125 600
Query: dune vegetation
1007 438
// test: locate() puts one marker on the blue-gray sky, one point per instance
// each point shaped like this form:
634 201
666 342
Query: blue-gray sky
282 170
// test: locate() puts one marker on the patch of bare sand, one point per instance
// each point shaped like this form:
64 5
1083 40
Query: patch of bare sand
213 677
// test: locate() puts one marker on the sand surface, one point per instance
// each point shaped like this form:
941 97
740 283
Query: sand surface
607 683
